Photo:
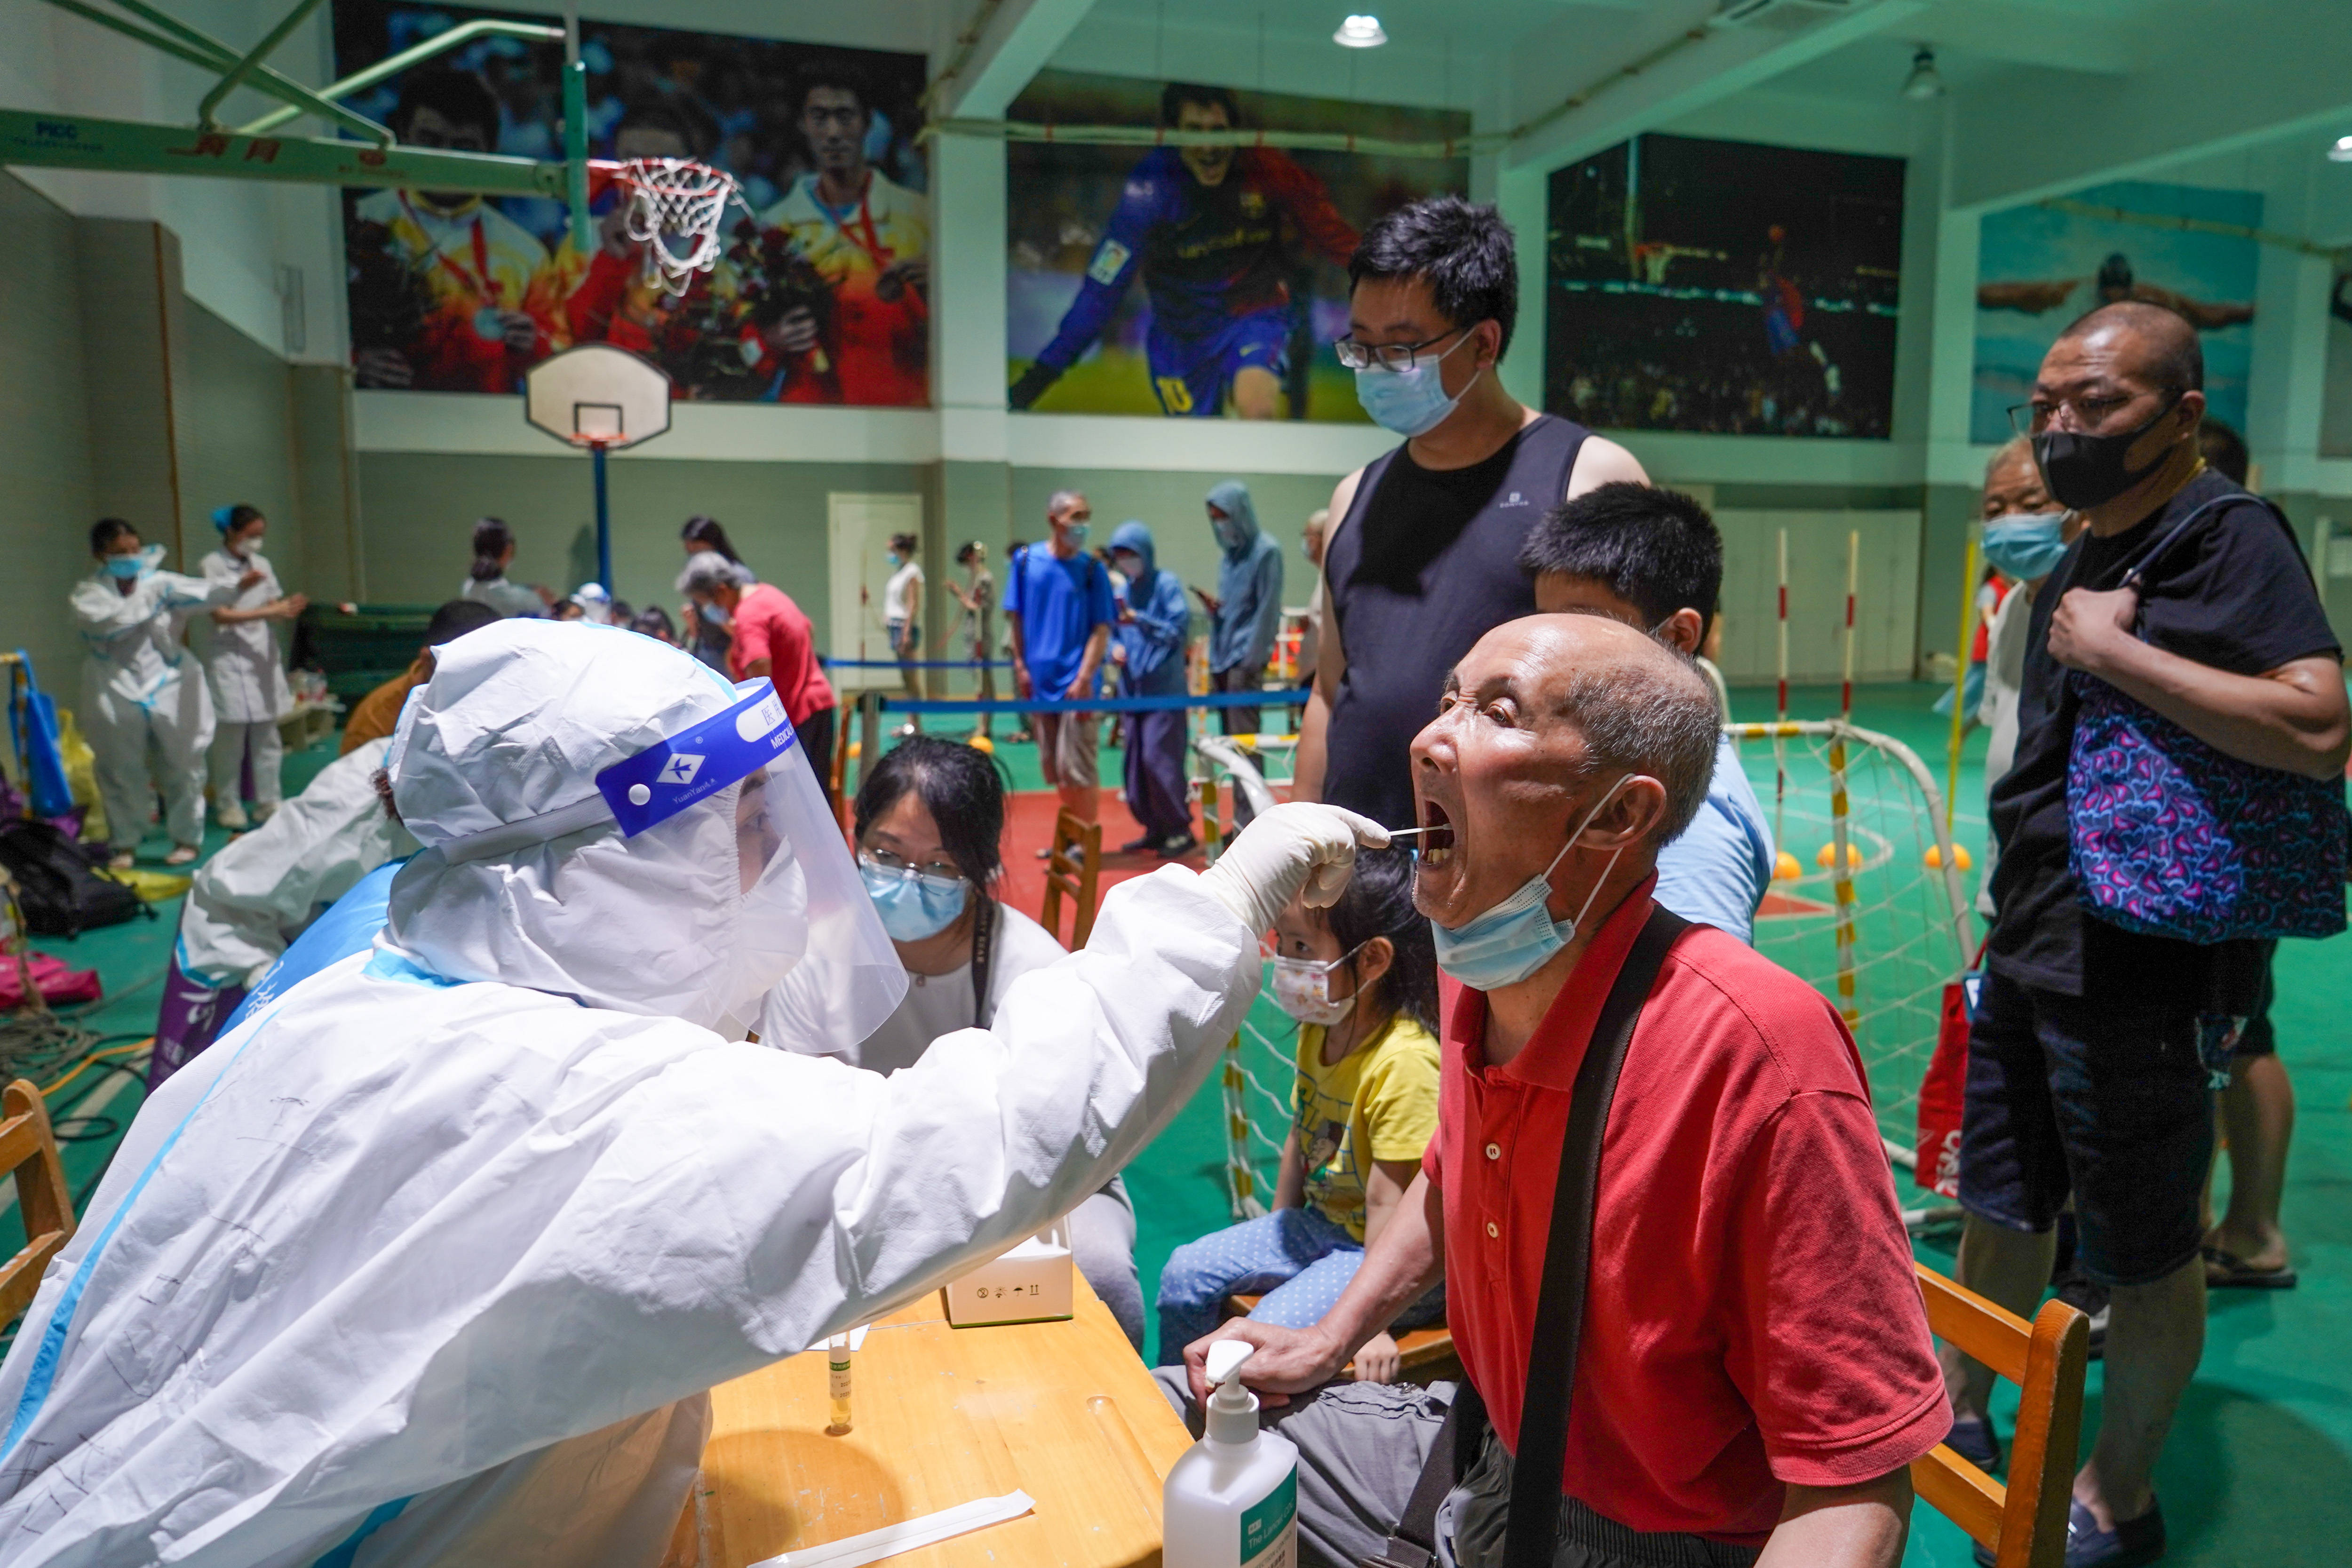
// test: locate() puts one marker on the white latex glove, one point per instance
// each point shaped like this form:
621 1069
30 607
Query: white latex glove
1296 844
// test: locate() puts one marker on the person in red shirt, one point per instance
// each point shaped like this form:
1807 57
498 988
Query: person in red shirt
1755 1373
774 641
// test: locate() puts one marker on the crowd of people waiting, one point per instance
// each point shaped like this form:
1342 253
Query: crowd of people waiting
1517 684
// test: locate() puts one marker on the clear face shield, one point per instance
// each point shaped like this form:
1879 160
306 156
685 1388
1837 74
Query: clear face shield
804 922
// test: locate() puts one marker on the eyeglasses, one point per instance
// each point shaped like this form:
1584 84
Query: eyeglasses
2090 414
937 867
1389 356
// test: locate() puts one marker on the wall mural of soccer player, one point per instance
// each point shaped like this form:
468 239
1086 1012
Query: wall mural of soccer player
1203 225
463 298
819 295
1242 251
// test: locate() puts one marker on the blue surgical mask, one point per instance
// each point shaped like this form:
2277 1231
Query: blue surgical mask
126 567
1078 532
2027 548
1410 402
1519 936
715 613
912 905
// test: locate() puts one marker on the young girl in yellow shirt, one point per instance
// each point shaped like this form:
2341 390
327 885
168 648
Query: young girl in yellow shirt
1362 979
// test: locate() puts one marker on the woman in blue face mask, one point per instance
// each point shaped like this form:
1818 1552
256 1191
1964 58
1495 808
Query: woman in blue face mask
930 819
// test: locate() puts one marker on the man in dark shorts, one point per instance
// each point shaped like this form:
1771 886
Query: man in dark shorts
1421 555
2092 1057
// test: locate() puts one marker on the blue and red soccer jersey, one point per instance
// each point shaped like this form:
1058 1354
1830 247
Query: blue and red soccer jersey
1214 268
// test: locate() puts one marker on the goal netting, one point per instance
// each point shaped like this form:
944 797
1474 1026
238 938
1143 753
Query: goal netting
1878 930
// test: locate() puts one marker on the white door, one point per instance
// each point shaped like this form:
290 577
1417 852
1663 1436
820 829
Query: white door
859 530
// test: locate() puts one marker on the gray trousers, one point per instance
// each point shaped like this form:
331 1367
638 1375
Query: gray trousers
1361 1446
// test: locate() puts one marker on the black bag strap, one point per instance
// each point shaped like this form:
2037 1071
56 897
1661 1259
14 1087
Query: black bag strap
1559 1308
1531 1537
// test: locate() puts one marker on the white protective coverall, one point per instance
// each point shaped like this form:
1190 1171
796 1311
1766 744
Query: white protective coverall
257 895
434 1261
248 681
139 683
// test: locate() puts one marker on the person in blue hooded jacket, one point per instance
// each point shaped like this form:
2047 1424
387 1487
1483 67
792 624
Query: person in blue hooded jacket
1152 624
1246 609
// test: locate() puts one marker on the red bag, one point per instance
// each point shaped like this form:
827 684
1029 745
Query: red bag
1942 1092
58 984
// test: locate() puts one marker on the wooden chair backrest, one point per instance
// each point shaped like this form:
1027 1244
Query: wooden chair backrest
29 1151
1073 869
2024 1523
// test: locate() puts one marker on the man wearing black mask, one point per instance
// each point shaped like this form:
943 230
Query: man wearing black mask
2091 1053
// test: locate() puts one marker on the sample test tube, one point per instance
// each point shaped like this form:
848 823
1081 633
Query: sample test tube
837 1382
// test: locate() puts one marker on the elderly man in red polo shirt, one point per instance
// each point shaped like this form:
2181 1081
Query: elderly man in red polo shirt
1754 1373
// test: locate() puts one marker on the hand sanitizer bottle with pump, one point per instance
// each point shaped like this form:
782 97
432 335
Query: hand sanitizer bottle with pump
1232 1501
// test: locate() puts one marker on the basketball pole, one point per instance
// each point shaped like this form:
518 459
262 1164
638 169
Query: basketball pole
604 520
575 194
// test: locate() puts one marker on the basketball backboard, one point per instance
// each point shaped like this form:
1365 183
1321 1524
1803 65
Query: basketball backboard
597 395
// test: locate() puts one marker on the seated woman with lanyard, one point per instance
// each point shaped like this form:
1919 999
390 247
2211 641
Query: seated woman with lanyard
929 818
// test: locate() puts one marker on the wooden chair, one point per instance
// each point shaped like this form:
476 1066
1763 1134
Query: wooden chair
1073 868
2023 1523
29 1151
1422 1354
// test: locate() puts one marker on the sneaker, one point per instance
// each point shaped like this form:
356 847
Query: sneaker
1137 846
1973 1439
232 817
1179 847
263 810
2090 1298
181 855
122 860
2131 1543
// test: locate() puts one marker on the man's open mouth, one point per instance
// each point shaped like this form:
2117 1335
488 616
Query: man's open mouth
1436 845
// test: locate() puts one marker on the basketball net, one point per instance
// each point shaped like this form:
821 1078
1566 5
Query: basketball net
676 202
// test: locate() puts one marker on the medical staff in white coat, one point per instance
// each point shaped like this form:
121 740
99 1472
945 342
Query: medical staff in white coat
248 674
434 1260
255 897
141 687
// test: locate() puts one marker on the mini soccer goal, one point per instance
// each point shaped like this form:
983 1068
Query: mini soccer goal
1868 907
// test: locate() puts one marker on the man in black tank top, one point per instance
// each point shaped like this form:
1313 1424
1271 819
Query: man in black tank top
1420 559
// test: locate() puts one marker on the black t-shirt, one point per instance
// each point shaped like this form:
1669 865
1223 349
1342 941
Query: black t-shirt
2233 593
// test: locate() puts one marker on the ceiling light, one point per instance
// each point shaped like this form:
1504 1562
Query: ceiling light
2341 152
1923 83
1360 33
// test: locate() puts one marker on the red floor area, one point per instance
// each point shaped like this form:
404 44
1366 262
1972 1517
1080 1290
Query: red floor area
1029 827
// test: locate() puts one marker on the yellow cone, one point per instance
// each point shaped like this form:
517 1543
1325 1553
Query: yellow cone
1786 868
1935 857
982 744
1827 857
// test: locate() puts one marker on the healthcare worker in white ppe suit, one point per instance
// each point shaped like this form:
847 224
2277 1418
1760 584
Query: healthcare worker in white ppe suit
434 1261
141 687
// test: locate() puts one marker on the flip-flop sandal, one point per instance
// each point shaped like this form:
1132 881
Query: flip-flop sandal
2225 1270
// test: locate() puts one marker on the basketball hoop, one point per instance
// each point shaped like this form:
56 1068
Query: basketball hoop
676 199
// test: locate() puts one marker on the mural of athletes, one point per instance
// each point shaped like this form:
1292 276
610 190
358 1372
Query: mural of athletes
821 295
1195 281
2040 266
1724 287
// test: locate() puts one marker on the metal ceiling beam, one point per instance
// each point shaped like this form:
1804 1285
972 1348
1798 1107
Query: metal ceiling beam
997 52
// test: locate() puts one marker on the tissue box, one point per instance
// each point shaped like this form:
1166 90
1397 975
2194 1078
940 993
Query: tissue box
1028 1284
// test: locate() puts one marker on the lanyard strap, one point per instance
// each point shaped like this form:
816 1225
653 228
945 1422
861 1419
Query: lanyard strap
983 940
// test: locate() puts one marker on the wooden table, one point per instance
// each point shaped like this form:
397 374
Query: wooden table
941 1416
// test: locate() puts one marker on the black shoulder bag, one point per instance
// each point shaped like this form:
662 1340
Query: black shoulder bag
1529 1539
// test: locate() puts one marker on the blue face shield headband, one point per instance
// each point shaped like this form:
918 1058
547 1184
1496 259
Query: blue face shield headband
656 783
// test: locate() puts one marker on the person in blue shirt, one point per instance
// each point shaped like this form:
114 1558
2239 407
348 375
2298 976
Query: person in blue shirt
1205 226
1653 559
1057 606
1152 624
1246 609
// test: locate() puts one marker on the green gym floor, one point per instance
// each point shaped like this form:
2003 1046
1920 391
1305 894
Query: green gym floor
2259 1468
